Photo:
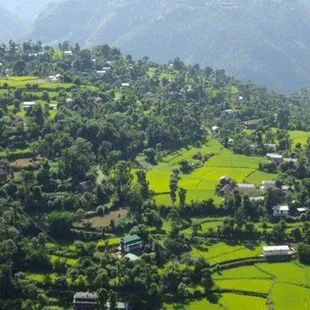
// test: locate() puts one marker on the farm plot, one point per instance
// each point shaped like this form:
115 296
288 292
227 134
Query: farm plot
248 285
236 302
285 272
222 252
246 272
201 182
288 296
101 221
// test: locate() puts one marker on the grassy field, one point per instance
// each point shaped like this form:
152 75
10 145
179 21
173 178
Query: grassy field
226 301
299 136
288 296
246 272
221 252
201 182
68 261
249 285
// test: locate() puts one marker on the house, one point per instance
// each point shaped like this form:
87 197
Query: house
4 175
226 189
125 84
251 125
101 72
86 186
268 184
106 68
276 250
132 257
215 128
292 160
130 243
69 100
257 199
225 180
28 104
68 53
281 211
17 119
85 301
53 106
246 185
270 147
275 158
300 211
119 306
229 111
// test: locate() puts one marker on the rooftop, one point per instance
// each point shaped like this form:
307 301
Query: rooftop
280 208
273 155
131 239
85 295
276 248
132 257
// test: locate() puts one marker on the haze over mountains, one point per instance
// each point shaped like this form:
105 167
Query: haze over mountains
266 41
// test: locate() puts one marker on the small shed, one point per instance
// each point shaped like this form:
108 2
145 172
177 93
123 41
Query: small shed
275 158
4 175
125 84
281 211
86 186
68 53
215 128
28 104
276 250
119 306
132 257
268 184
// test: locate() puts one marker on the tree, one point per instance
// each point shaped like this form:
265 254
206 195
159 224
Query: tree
112 300
142 180
173 185
182 197
121 179
77 159
102 297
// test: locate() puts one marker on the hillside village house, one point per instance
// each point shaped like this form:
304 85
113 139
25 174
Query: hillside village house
257 199
68 53
281 211
268 184
86 186
125 84
4 175
276 250
130 243
275 158
28 104
85 301
89 301
101 72
270 146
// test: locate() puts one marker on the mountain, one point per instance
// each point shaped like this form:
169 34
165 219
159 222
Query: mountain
11 27
27 10
266 41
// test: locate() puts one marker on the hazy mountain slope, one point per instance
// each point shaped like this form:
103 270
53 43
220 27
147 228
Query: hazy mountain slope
27 10
264 40
11 27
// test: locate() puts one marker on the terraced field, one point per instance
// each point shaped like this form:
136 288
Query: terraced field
221 252
201 182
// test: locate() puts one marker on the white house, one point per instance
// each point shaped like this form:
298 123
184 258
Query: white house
132 257
268 184
101 72
257 199
275 158
246 185
119 305
215 128
53 106
276 250
125 84
28 104
281 211
68 53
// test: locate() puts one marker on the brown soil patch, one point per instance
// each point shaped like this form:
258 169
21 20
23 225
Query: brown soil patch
101 221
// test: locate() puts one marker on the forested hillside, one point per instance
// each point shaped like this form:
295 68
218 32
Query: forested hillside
157 186
26 10
11 27
264 41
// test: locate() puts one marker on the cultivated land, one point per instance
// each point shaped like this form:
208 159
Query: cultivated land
201 182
